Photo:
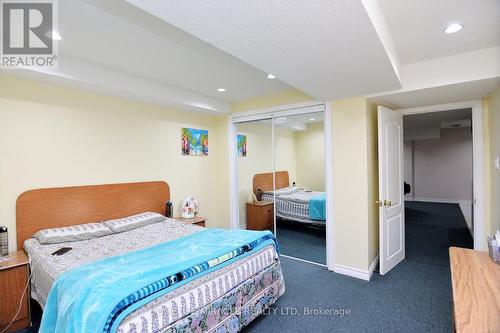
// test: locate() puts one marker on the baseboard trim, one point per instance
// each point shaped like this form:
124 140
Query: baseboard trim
352 272
436 200
356 272
372 266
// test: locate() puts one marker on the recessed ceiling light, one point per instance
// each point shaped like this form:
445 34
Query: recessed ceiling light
270 76
54 35
311 119
221 89
452 28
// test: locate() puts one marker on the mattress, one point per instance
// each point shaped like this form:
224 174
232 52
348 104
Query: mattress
167 310
294 206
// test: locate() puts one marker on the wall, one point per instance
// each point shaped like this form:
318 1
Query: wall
355 182
310 151
408 166
56 136
493 109
443 167
259 158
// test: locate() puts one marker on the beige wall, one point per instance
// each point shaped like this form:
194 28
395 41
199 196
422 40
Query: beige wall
310 150
222 191
493 110
355 183
55 136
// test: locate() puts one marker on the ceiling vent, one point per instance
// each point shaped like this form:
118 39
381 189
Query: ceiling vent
456 123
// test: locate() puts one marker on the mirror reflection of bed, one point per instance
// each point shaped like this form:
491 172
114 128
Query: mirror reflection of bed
292 148
300 215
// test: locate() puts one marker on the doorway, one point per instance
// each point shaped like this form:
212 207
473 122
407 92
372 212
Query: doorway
391 179
438 179
280 180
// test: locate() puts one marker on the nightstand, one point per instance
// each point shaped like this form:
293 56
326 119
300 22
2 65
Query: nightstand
13 279
260 215
199 221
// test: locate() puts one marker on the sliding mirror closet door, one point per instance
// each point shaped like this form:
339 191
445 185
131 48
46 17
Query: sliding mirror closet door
254 144
300 186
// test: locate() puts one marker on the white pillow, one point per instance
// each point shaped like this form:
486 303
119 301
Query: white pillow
73 233
285 190
134 221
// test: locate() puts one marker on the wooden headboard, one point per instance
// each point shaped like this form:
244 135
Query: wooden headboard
65 206
264 181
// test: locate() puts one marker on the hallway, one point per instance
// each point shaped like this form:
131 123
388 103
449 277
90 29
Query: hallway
431 228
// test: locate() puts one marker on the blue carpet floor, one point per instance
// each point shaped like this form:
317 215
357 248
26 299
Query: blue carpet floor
414 297
302 241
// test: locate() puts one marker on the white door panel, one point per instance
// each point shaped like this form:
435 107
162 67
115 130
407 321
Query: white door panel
394 244
391 202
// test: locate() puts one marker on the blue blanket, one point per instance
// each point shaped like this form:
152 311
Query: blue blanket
317 207
96 296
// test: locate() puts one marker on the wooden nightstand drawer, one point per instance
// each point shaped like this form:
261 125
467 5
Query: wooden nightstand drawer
260 215
12 281
9 306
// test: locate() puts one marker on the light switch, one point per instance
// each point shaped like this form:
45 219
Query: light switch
497 163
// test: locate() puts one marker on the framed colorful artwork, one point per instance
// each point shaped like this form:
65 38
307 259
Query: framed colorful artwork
241 142
194 142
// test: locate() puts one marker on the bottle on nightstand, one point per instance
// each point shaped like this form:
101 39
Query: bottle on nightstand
4 241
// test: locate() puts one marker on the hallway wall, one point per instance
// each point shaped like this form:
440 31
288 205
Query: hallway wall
442 169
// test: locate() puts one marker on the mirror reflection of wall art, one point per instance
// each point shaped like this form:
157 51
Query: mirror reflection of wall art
242 145
194 142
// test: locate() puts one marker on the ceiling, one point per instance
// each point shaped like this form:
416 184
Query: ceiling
434 119
459 92
178 53
416 26
127 39
328 49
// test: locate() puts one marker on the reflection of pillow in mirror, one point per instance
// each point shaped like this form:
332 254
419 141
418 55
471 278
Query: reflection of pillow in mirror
285 190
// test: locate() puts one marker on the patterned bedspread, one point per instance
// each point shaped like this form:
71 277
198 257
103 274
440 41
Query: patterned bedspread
46 267
222 298
256 279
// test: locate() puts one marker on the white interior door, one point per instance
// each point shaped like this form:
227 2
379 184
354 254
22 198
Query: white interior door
391 200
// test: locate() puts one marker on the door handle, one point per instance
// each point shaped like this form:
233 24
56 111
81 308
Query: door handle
385 203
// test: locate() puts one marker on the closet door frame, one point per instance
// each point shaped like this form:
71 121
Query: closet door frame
283 111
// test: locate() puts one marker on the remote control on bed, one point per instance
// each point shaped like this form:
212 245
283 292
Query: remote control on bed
62 251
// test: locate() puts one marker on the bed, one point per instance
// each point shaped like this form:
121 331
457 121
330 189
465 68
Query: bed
292 203
169 276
